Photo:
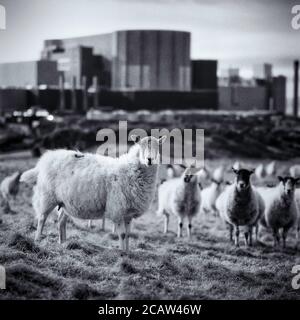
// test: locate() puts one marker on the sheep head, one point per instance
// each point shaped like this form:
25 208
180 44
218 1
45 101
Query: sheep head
149 148
242 178
288 185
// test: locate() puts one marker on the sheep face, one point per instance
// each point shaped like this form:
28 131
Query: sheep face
189 175
288 185
149 149
242 178
218 183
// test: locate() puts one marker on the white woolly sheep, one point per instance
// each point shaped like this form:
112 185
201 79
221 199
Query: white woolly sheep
295 170
9 188
281 208
92 186
240 205
180 197
271 169
260 172
209 196
218 174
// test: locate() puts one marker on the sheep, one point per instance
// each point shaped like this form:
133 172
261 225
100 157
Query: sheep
209 196
218 174
237 165
94 186
271 169
281 208
295 170
240 205
180 197
260 172
9 188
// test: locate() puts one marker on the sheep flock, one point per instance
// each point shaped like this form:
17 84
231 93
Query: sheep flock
90 187
181 230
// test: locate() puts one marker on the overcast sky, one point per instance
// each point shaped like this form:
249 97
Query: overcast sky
236 32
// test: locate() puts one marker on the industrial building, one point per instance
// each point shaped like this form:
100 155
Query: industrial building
28 74
126 60
135 69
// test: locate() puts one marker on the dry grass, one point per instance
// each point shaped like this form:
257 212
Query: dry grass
89 265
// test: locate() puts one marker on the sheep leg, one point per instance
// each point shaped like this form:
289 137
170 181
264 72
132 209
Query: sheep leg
62 227
103 223
121 230
90 225
189 227
246 234
113 228
230 232
284 235
237 235
166 225
180 225
250 236
276 237
41 223
43 207
127 232
256 232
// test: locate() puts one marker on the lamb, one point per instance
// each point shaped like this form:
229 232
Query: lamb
93 186
240 205
9 188
180 197
281 208
209 196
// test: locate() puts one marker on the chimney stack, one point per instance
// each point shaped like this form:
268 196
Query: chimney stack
296 87
62 92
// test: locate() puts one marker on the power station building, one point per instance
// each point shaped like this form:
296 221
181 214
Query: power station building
28 74
133 69
147 60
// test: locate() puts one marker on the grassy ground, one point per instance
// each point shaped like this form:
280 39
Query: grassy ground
89 265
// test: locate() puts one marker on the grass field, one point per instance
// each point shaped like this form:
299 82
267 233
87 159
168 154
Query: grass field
89 265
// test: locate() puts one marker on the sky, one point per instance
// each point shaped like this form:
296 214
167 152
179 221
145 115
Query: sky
239 33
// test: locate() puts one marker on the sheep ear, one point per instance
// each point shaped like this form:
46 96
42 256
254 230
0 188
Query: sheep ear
135 138
162 139
280 178
235 170
251 171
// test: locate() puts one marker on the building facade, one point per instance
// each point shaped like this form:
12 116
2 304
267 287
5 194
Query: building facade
28 74
127 60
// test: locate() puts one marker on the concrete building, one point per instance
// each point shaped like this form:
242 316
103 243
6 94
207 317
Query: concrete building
242 98
263 71
77 62
204 74
28 74
279 94
130 59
